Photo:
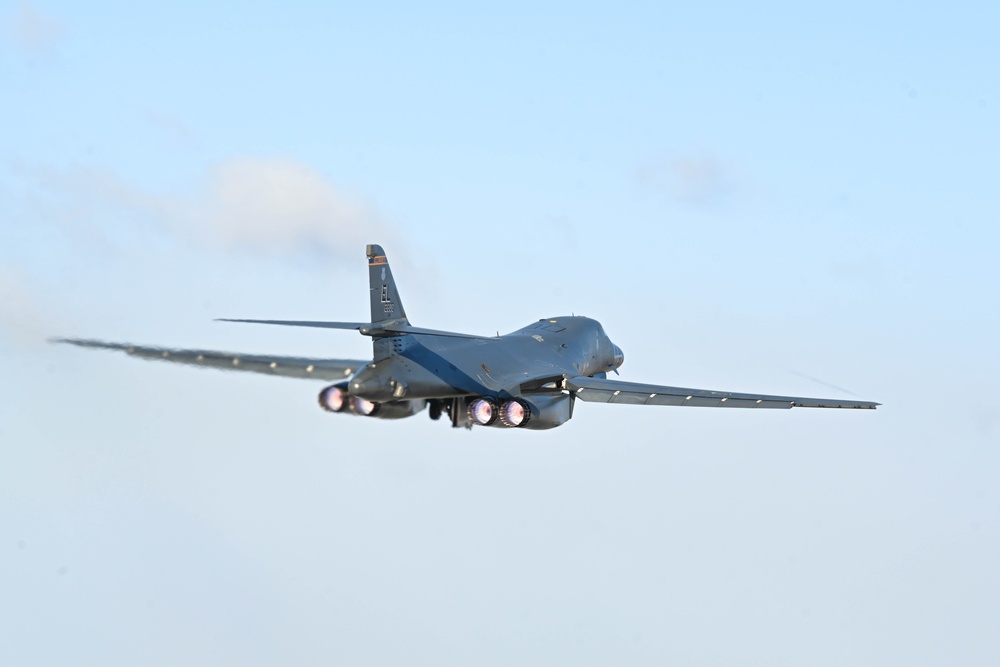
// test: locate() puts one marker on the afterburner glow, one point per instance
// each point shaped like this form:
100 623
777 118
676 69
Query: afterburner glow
333 399
362 406
482 411
514 413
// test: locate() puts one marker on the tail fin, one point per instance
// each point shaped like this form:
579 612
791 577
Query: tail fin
384 297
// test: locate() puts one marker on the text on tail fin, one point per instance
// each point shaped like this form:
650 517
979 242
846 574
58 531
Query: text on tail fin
385 302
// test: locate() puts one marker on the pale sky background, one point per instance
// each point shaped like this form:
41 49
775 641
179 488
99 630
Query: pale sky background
747 195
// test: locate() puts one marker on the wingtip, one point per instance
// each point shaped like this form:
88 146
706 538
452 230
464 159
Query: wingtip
60 340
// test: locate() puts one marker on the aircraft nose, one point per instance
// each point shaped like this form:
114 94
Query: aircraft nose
619 356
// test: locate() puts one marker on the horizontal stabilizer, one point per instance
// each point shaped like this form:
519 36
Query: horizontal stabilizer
300 323
379 329
420 331
616 391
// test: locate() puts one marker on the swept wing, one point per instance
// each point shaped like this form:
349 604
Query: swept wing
293 367
633 393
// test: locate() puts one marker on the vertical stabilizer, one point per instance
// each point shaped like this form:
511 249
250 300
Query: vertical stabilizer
384 297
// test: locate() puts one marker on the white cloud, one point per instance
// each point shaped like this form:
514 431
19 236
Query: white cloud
281 205
273 206
32 30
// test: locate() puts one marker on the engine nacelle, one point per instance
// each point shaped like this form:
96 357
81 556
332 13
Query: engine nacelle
337 398
532 411
547 410
395 409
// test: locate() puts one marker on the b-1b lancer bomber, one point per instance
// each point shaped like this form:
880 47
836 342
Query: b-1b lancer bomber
529 379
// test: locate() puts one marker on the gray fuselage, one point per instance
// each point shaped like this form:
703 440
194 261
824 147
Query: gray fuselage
421 366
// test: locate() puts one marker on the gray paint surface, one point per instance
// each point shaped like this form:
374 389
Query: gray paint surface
743 194
530 367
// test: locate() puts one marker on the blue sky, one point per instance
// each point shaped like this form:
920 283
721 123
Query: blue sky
769 198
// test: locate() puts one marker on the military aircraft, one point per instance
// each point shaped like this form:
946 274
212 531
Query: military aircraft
530 378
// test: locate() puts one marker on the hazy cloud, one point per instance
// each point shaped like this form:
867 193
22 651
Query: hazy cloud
83 207
33 30
701 179
21 322
274 206
281 205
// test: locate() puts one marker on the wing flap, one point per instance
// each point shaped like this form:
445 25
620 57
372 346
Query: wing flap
633 393
281 366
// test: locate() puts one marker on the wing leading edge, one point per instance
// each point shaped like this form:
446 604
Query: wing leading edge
633 393
293 367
